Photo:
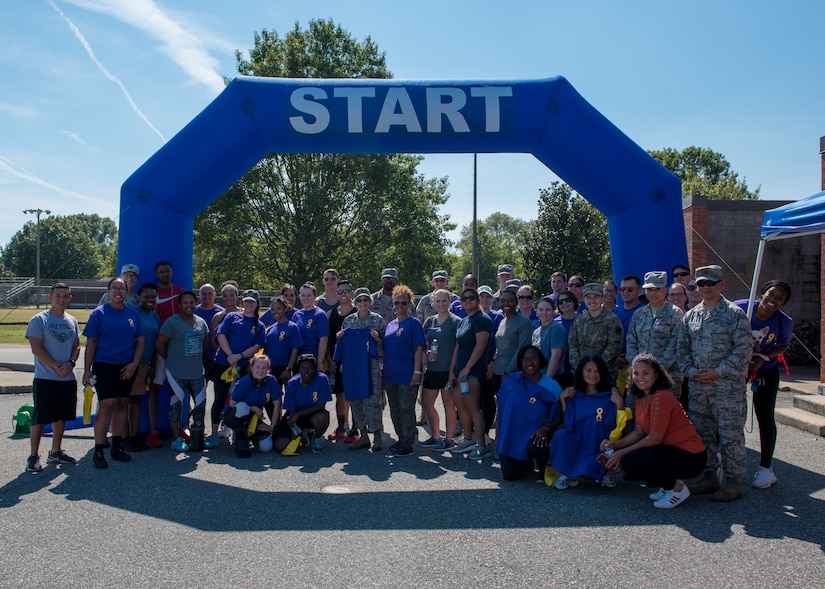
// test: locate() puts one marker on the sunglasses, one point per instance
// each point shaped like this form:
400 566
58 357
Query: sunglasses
576 284
678 294
627 288
328 278
609 291
404 303
344 290
680 274
468 298
362 300
562 301
701 283
525 297
691 287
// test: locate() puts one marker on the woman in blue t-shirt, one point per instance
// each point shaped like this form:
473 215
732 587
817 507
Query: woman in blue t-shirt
772 331
404 343
314 325
253 393
283 340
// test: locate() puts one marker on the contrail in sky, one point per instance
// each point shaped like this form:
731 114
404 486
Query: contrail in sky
15 170
103 69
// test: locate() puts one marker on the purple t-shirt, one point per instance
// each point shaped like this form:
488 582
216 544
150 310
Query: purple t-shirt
241 332
299 397
314 325
115 331
400 342
281 339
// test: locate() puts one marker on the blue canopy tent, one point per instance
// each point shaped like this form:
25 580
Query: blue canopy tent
803 217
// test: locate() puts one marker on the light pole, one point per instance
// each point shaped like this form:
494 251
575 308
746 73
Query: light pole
37 212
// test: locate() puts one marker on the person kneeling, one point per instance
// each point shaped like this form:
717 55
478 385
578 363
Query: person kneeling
664 448
305 398
245 414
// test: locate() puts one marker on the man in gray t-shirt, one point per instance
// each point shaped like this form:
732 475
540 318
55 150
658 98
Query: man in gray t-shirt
54 338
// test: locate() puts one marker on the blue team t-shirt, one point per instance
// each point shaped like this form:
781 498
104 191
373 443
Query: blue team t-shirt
115 331
775 332
208 316
281 339
256 396
241 332
314 325
354 350
299 397
523 406
151 328
400 342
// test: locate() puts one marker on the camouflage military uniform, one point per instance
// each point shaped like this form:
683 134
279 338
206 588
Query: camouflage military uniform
382 304
656 331
718 337
601 336
368 413
425 308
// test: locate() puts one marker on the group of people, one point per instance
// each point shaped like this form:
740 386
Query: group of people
573 385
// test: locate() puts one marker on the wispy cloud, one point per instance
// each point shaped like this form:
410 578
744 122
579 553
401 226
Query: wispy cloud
177 41
76 138
17 110
103 69
9 166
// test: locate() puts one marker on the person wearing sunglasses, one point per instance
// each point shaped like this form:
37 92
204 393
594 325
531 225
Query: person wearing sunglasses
328 300
382 301
694 297
404 343
567 306
629 290
681 274
576 286
611 291
655 329
526 298
714 351
336 318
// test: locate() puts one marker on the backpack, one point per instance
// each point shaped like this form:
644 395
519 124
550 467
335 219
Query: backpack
22 420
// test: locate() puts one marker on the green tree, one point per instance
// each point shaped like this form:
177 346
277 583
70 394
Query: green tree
500 241
569 235
71 246
293 215
704 172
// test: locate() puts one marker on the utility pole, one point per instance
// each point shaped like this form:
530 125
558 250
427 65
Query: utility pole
37 212
475 217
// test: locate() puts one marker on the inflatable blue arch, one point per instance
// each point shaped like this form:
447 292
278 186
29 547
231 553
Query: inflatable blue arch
255 117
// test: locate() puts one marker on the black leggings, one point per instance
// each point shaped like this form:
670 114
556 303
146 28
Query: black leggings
221 390
661 465
514 468
764 404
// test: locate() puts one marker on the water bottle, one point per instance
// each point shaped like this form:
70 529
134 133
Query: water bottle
433 355
464 386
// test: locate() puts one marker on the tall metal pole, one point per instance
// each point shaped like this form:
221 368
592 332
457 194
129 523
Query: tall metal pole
475 217
37 212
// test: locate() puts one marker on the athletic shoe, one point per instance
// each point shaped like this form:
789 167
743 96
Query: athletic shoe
377 444
338 434
428 443
609 479
361 444
730 491
99 459
403 450
211 441
120 455
33 463
656 495
396 446
351 437
442 445
564 482
153 439
763 478
180 445
129 445
225 432
60 457
463 447
672 498
317 446
479 452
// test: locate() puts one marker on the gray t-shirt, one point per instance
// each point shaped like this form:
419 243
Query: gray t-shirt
445 334
59 334
185 347
513 334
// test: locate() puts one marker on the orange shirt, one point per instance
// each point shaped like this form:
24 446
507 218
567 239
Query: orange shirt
661 413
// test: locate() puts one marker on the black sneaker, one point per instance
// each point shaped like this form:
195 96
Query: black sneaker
120 455
129 445
60 457
33 463
99 459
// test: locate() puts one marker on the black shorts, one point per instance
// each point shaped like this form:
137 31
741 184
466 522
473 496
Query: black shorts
338 387
54 400
109 384
435 380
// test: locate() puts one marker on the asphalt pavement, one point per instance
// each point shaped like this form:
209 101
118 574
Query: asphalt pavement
364 519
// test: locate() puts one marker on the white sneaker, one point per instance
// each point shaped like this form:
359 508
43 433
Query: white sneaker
672 498
763 478
656 495
564 482
609 479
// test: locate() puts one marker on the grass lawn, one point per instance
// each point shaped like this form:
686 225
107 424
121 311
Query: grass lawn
13 322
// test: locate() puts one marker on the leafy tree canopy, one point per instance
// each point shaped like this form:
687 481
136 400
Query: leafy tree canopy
500 241
569 235
293 215
704 172
71 246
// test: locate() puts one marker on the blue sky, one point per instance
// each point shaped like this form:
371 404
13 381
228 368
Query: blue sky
92 88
